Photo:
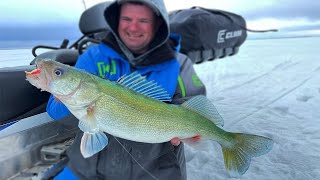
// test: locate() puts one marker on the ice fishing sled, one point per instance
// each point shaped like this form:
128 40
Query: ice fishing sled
32 145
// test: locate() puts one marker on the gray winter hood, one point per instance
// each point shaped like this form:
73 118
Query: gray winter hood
112 13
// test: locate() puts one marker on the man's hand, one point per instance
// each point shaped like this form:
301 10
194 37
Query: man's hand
175 141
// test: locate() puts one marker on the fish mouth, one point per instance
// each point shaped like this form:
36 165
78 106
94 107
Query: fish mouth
36 73
37 77
33 72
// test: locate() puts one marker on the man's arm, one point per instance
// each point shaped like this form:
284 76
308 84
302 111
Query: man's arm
189 85
56 109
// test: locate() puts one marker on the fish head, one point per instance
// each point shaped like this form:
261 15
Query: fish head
54 77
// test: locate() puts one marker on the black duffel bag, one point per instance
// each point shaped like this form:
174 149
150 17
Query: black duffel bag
208 34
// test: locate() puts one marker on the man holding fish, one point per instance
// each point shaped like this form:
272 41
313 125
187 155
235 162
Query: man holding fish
142 79
140 41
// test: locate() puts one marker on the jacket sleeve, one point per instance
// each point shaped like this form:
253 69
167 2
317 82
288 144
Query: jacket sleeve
58 110
189 85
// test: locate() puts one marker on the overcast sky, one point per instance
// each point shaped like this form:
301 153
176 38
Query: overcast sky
263 13
35 11
259 14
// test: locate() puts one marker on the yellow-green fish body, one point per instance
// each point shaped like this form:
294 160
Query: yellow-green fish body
132 109
143 119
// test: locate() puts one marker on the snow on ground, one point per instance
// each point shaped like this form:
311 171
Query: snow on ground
270 88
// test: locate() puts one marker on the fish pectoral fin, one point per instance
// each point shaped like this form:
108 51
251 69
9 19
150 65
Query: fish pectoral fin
87 126
201 105
92 143
88 122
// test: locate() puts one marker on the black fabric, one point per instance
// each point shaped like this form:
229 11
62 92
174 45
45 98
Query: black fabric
65 56
92 20
164 161
208 31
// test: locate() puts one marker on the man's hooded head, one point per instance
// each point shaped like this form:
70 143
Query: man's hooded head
112 15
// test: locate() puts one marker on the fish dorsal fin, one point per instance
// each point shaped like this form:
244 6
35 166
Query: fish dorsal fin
141 85
201 105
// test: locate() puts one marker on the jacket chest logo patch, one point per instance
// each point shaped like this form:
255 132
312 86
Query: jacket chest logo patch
105 69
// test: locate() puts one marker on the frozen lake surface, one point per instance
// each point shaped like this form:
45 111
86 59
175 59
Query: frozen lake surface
270 88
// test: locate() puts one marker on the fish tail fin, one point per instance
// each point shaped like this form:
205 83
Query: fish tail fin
92 143
237 157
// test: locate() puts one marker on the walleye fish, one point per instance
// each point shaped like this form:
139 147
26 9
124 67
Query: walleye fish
132 108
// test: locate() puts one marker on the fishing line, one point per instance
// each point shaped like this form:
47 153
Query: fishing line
150 174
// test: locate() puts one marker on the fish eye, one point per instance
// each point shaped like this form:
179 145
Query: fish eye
58 72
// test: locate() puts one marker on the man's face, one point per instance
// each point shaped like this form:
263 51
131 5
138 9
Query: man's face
137 26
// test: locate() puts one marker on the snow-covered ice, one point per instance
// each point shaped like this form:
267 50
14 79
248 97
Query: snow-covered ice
270 88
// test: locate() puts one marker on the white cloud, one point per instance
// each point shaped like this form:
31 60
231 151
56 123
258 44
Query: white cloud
230 5
62 11
40 11
258 14
272 23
